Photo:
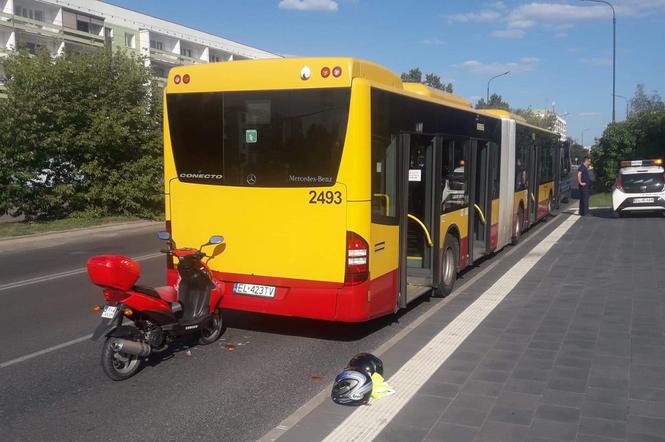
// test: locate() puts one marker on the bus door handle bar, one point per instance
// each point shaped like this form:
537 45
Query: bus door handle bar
480 212
420 223
533 198
387 198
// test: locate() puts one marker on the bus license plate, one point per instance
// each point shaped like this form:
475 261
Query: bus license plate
643 200
264 291
109 312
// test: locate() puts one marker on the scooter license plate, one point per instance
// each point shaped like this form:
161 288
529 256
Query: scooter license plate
109 312
264 291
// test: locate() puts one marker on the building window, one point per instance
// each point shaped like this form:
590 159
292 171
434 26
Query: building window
215 59
129 40
83 23
186 52
39 15
154 44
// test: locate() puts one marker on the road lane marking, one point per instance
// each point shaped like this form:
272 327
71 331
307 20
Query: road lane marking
46 350
366 423
52 276
324 394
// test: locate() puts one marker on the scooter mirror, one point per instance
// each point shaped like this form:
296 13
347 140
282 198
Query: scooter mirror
164 236
216 239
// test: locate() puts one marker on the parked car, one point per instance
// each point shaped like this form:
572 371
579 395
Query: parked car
640 186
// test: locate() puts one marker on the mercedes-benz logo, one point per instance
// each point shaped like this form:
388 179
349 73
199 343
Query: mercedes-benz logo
251 179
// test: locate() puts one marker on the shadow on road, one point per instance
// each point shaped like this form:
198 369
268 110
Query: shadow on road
607 212
310 328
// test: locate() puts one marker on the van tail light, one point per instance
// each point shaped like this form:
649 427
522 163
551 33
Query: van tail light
619 183
357 259
169 257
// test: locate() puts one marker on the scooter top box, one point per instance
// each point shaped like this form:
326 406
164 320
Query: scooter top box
113 271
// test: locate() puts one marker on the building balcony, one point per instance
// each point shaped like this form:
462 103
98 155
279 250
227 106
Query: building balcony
171 58
47 29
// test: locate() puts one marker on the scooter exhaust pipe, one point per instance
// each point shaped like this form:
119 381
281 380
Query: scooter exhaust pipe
140 349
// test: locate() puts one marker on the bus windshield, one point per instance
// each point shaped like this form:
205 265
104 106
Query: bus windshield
284 138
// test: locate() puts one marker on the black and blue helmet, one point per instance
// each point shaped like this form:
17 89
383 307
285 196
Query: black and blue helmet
352 387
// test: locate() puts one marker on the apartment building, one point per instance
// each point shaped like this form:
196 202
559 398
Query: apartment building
63 25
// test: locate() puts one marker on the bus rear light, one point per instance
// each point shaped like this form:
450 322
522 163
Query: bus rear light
176 79
325 72
185 78
357 259
337 71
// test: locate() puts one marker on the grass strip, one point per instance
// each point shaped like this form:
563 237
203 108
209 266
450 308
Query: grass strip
600 200
9 229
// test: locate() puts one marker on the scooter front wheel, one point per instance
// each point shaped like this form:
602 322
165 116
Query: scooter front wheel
118 366
213 330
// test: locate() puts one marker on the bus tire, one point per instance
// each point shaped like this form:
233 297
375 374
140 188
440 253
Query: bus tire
518 227
449 264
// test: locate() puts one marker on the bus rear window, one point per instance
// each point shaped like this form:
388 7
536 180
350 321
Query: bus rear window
288 138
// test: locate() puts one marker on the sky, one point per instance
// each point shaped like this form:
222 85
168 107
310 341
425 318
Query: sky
559 53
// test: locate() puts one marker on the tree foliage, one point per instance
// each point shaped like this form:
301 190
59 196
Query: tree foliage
544 119
415 75
642 103
80 136
577 151
495 102
641 136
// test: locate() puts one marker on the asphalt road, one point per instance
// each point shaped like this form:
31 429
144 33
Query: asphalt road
262 369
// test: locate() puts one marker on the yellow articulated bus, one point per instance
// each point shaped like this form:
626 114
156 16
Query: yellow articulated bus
342 192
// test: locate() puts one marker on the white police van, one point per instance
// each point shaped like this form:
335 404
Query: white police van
640 186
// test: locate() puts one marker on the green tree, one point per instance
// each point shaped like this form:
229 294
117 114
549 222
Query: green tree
415 75
639 137
642 103
577 151
81 136
495 102
545 119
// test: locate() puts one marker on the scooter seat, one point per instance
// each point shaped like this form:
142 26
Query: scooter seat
167 293
146 291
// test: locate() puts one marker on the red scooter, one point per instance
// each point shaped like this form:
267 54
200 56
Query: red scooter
158 315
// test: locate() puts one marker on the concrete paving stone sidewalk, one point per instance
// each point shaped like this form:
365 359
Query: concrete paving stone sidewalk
576 351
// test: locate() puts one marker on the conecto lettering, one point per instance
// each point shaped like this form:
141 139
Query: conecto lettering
202 176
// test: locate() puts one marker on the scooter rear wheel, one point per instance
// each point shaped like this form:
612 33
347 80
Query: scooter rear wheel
211 332
118 366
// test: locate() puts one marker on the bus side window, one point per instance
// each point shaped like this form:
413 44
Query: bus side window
384 178
453 179
384 167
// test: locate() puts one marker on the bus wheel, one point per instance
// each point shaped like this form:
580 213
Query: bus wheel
518 227
448 266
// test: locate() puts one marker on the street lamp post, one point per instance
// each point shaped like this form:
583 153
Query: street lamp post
584 130
488 84
614 52
627 103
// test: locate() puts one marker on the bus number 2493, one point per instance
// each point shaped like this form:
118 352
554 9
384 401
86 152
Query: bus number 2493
327 197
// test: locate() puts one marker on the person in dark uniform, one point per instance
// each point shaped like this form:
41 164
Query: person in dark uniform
584 183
